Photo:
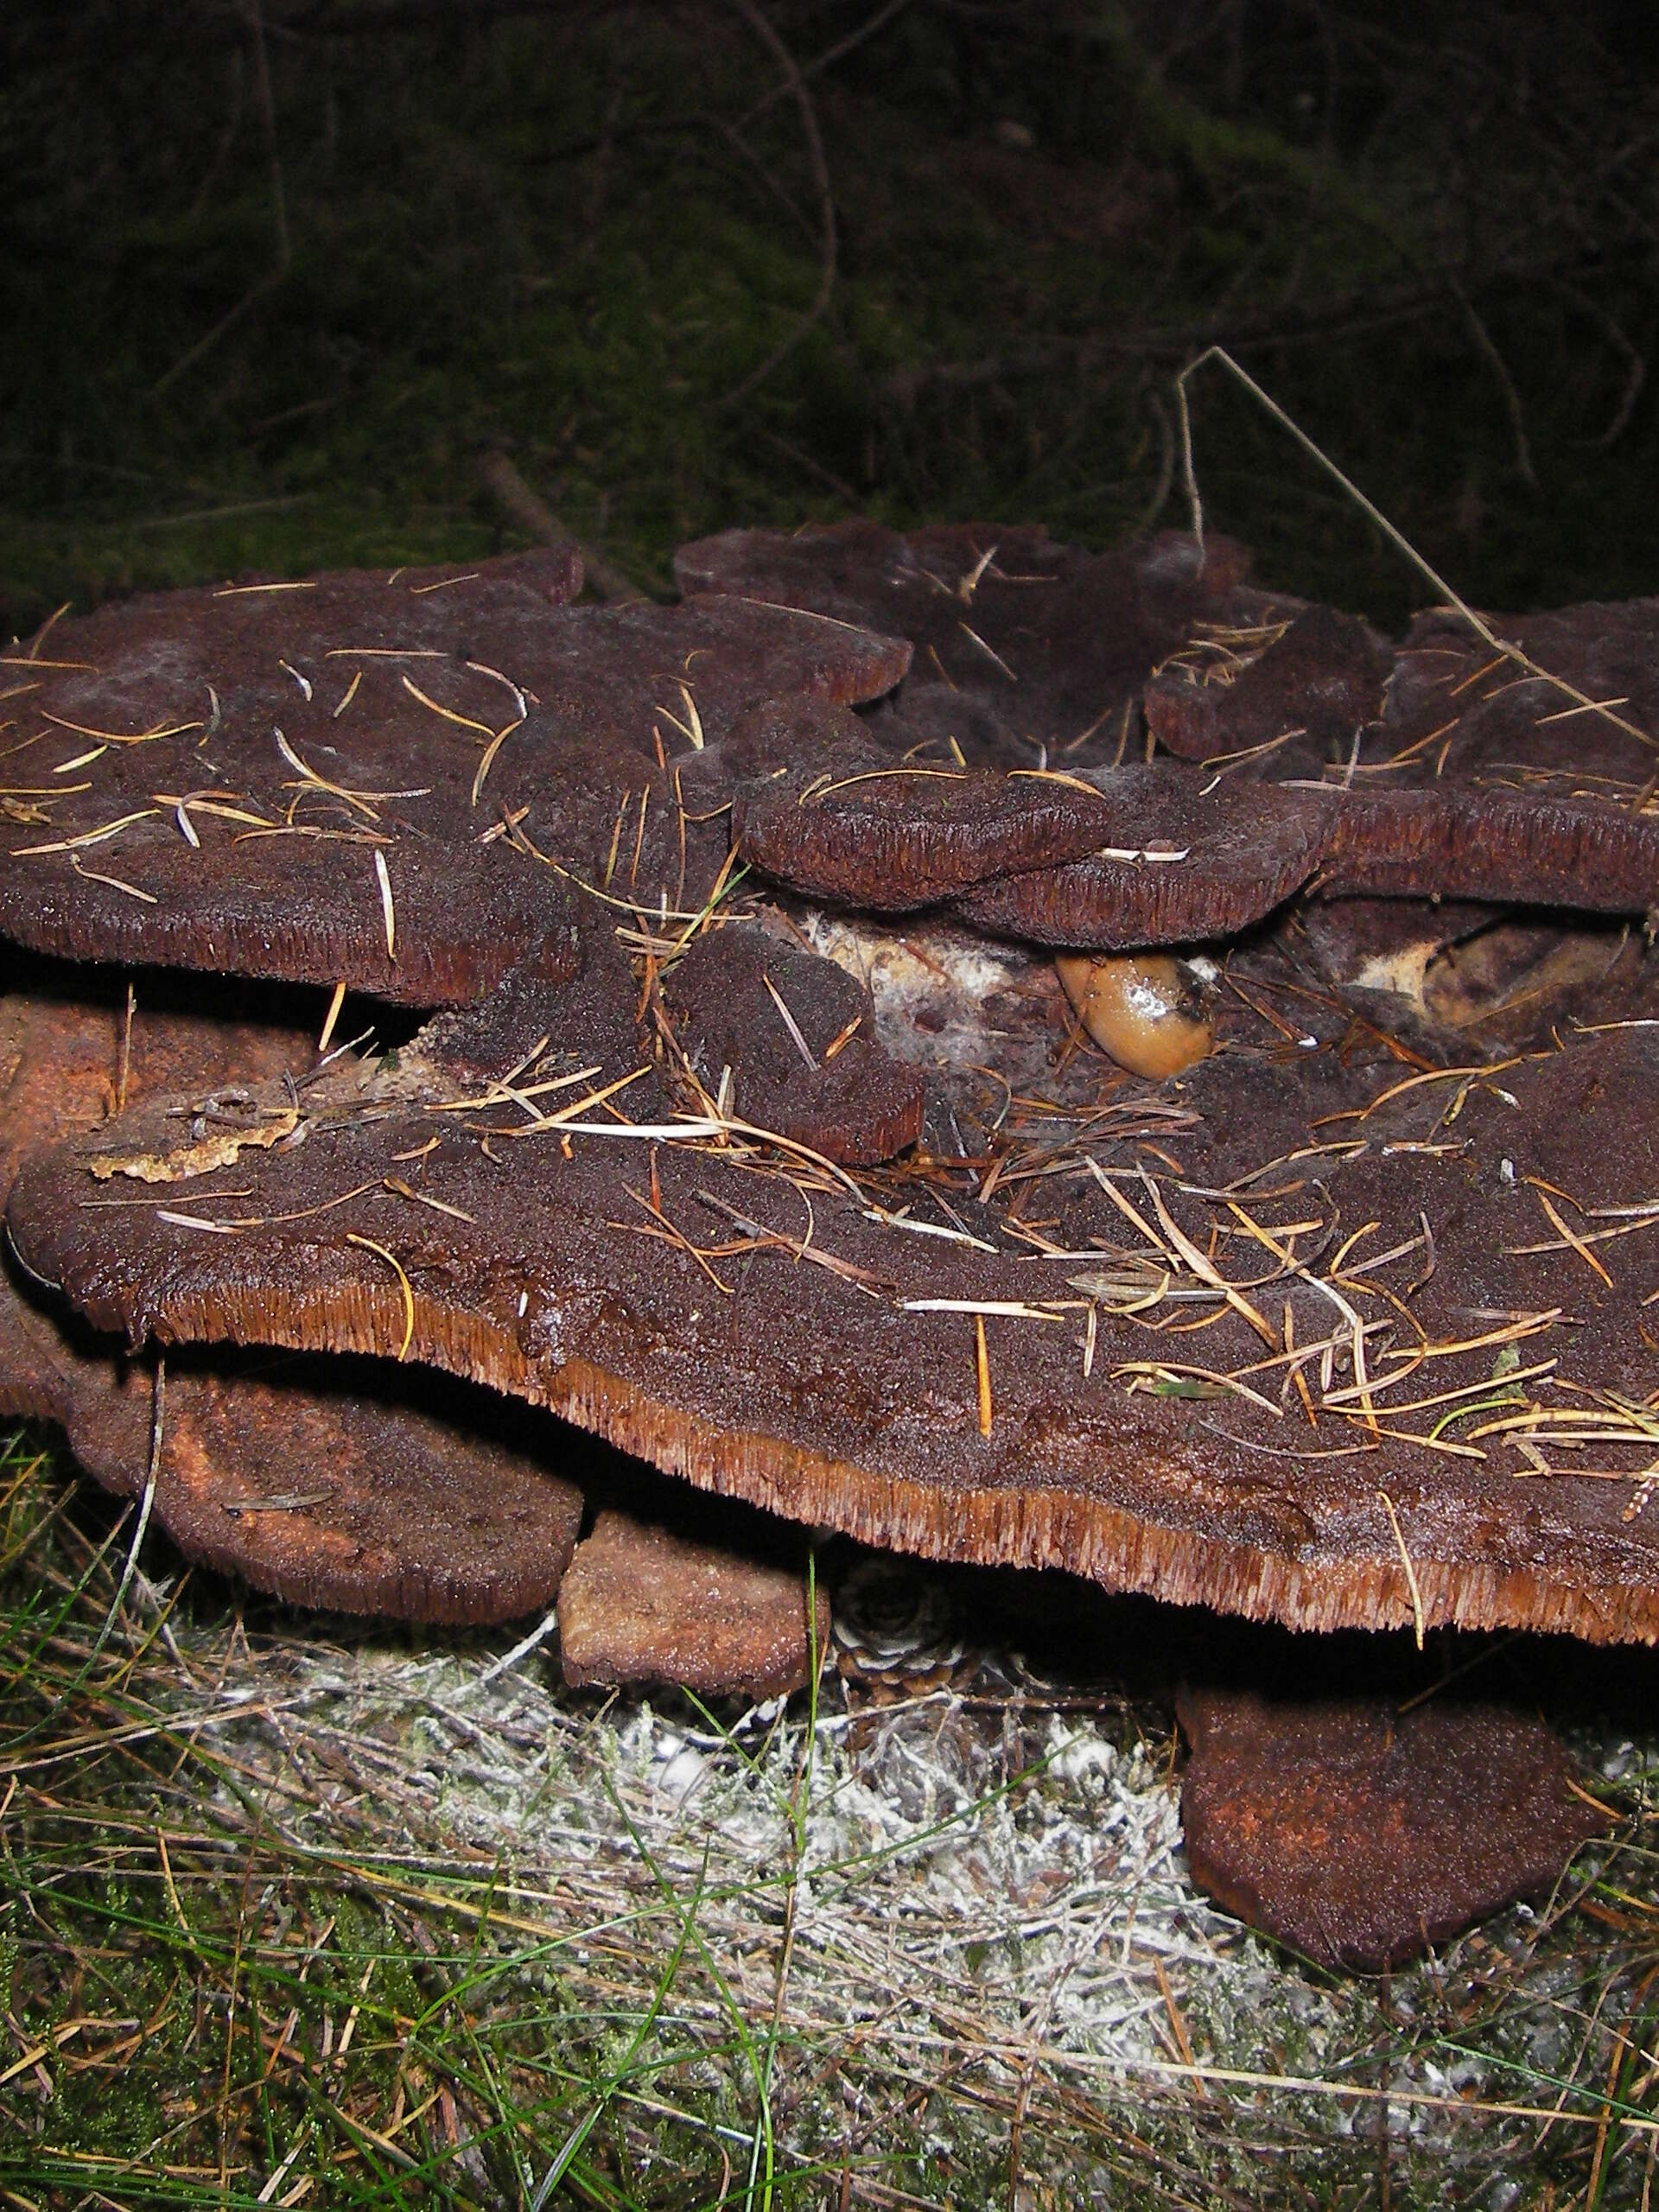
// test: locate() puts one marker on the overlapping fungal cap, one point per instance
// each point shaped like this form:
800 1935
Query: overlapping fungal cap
1296 749
786 1040
382 781
1024 650
1564 704
69 1059
645 1603
1235 696
1111 859
1359 1834
347 1485
326 1482
1324 1334
1280 1335
1143 849
1522 772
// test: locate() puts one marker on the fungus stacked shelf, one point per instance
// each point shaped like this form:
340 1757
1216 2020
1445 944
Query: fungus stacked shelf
749 1128
1277 1338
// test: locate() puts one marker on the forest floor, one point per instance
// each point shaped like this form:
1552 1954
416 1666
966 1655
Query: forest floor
299 1911
296 1912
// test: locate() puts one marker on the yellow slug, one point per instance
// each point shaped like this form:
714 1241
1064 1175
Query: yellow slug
1142 1007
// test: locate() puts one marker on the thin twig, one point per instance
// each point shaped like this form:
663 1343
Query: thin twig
158 1401
1486 348
254 14
531 511
796 84
1396 537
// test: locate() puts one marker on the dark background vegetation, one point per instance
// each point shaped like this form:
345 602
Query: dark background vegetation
285 281
282 275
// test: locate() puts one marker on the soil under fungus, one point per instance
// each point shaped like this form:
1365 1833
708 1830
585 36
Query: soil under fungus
819 1198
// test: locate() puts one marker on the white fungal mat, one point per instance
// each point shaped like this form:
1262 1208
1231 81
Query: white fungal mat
943 1937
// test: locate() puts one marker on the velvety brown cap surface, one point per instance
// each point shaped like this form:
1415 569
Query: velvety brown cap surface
1358 1835
1453 768
1181 866
1317 1332
352 1484
379 779
793 1037
1021 644
1017 783
325 1482
1321 675
642 1603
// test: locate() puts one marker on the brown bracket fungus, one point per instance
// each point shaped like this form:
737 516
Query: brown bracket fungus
1232 698
1359 1836
1184 864
66 1063
644 1604
1453 769
1028 653
316 1480
1298 751
1108 858
384 782
1311 1322
1307 1341
335 1484
788 1040
1326 1329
